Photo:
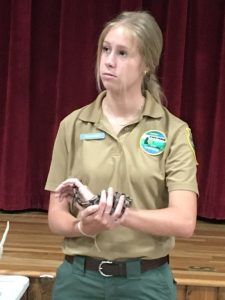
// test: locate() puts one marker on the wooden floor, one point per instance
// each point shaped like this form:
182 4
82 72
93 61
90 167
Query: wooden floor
32 250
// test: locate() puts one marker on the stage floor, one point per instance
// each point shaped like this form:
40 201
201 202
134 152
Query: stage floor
32 250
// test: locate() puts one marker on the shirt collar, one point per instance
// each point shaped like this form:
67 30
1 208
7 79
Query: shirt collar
152 108
92 112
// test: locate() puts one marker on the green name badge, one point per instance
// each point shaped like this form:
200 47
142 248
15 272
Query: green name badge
92 136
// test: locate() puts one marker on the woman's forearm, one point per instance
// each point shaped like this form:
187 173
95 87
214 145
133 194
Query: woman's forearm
178 219
60 220
62 223
162 222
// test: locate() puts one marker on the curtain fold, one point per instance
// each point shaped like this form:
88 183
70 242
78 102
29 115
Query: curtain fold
47 65
173 58
15 113
213 180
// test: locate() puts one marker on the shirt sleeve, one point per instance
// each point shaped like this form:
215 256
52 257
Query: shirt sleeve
58 167
181 163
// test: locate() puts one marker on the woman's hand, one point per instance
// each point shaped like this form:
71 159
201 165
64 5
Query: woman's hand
94 221
94 218
65 189
60 219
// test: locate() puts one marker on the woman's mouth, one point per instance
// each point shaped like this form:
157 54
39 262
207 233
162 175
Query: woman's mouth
108 75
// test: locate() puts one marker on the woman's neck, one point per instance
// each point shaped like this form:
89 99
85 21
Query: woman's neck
122 111
123 105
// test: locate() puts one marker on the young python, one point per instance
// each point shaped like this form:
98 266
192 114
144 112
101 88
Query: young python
79 199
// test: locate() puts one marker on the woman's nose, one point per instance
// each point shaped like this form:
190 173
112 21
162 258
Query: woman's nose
110 60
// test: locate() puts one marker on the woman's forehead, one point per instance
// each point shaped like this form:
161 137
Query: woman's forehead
121 34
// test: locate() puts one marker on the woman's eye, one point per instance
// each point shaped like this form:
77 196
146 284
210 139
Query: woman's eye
105 49
122 53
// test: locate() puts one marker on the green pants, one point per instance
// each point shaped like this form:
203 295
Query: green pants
73 282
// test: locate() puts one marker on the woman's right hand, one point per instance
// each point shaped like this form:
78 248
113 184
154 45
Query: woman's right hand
95 218
66 189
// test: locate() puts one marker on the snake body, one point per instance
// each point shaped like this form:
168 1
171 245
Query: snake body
78 198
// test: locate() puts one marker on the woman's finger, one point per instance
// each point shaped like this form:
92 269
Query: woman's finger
90 210
119 208
85 192
109 201
102 203
65 184
69 182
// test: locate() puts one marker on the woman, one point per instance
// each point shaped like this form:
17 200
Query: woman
125 141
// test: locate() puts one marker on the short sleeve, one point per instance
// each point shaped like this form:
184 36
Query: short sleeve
181 163
58 167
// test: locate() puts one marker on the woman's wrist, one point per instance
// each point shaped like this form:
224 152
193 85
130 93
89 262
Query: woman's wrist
129 217
82 232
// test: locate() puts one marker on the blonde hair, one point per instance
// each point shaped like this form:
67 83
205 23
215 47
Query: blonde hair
150 41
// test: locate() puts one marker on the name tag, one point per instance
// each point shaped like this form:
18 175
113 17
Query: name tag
92 136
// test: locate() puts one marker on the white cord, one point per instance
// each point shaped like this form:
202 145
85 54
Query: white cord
82 231
4 238
87 235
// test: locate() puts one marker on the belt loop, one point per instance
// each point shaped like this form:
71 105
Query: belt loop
133 268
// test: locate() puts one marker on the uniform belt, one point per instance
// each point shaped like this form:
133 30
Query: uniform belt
109 268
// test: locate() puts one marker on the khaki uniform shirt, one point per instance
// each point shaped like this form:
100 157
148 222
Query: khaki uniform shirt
146 160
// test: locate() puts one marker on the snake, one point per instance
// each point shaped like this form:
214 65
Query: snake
79 199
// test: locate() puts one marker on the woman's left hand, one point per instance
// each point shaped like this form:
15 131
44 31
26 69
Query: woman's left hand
103 218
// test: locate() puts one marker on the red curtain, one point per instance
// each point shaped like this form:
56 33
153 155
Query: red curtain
47 61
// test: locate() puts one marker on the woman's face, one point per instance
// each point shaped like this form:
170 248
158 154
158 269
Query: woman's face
121 65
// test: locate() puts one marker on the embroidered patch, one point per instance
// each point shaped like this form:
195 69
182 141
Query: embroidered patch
153 142
190 142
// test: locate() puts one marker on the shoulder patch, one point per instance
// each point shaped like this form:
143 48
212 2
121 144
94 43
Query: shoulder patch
189 140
